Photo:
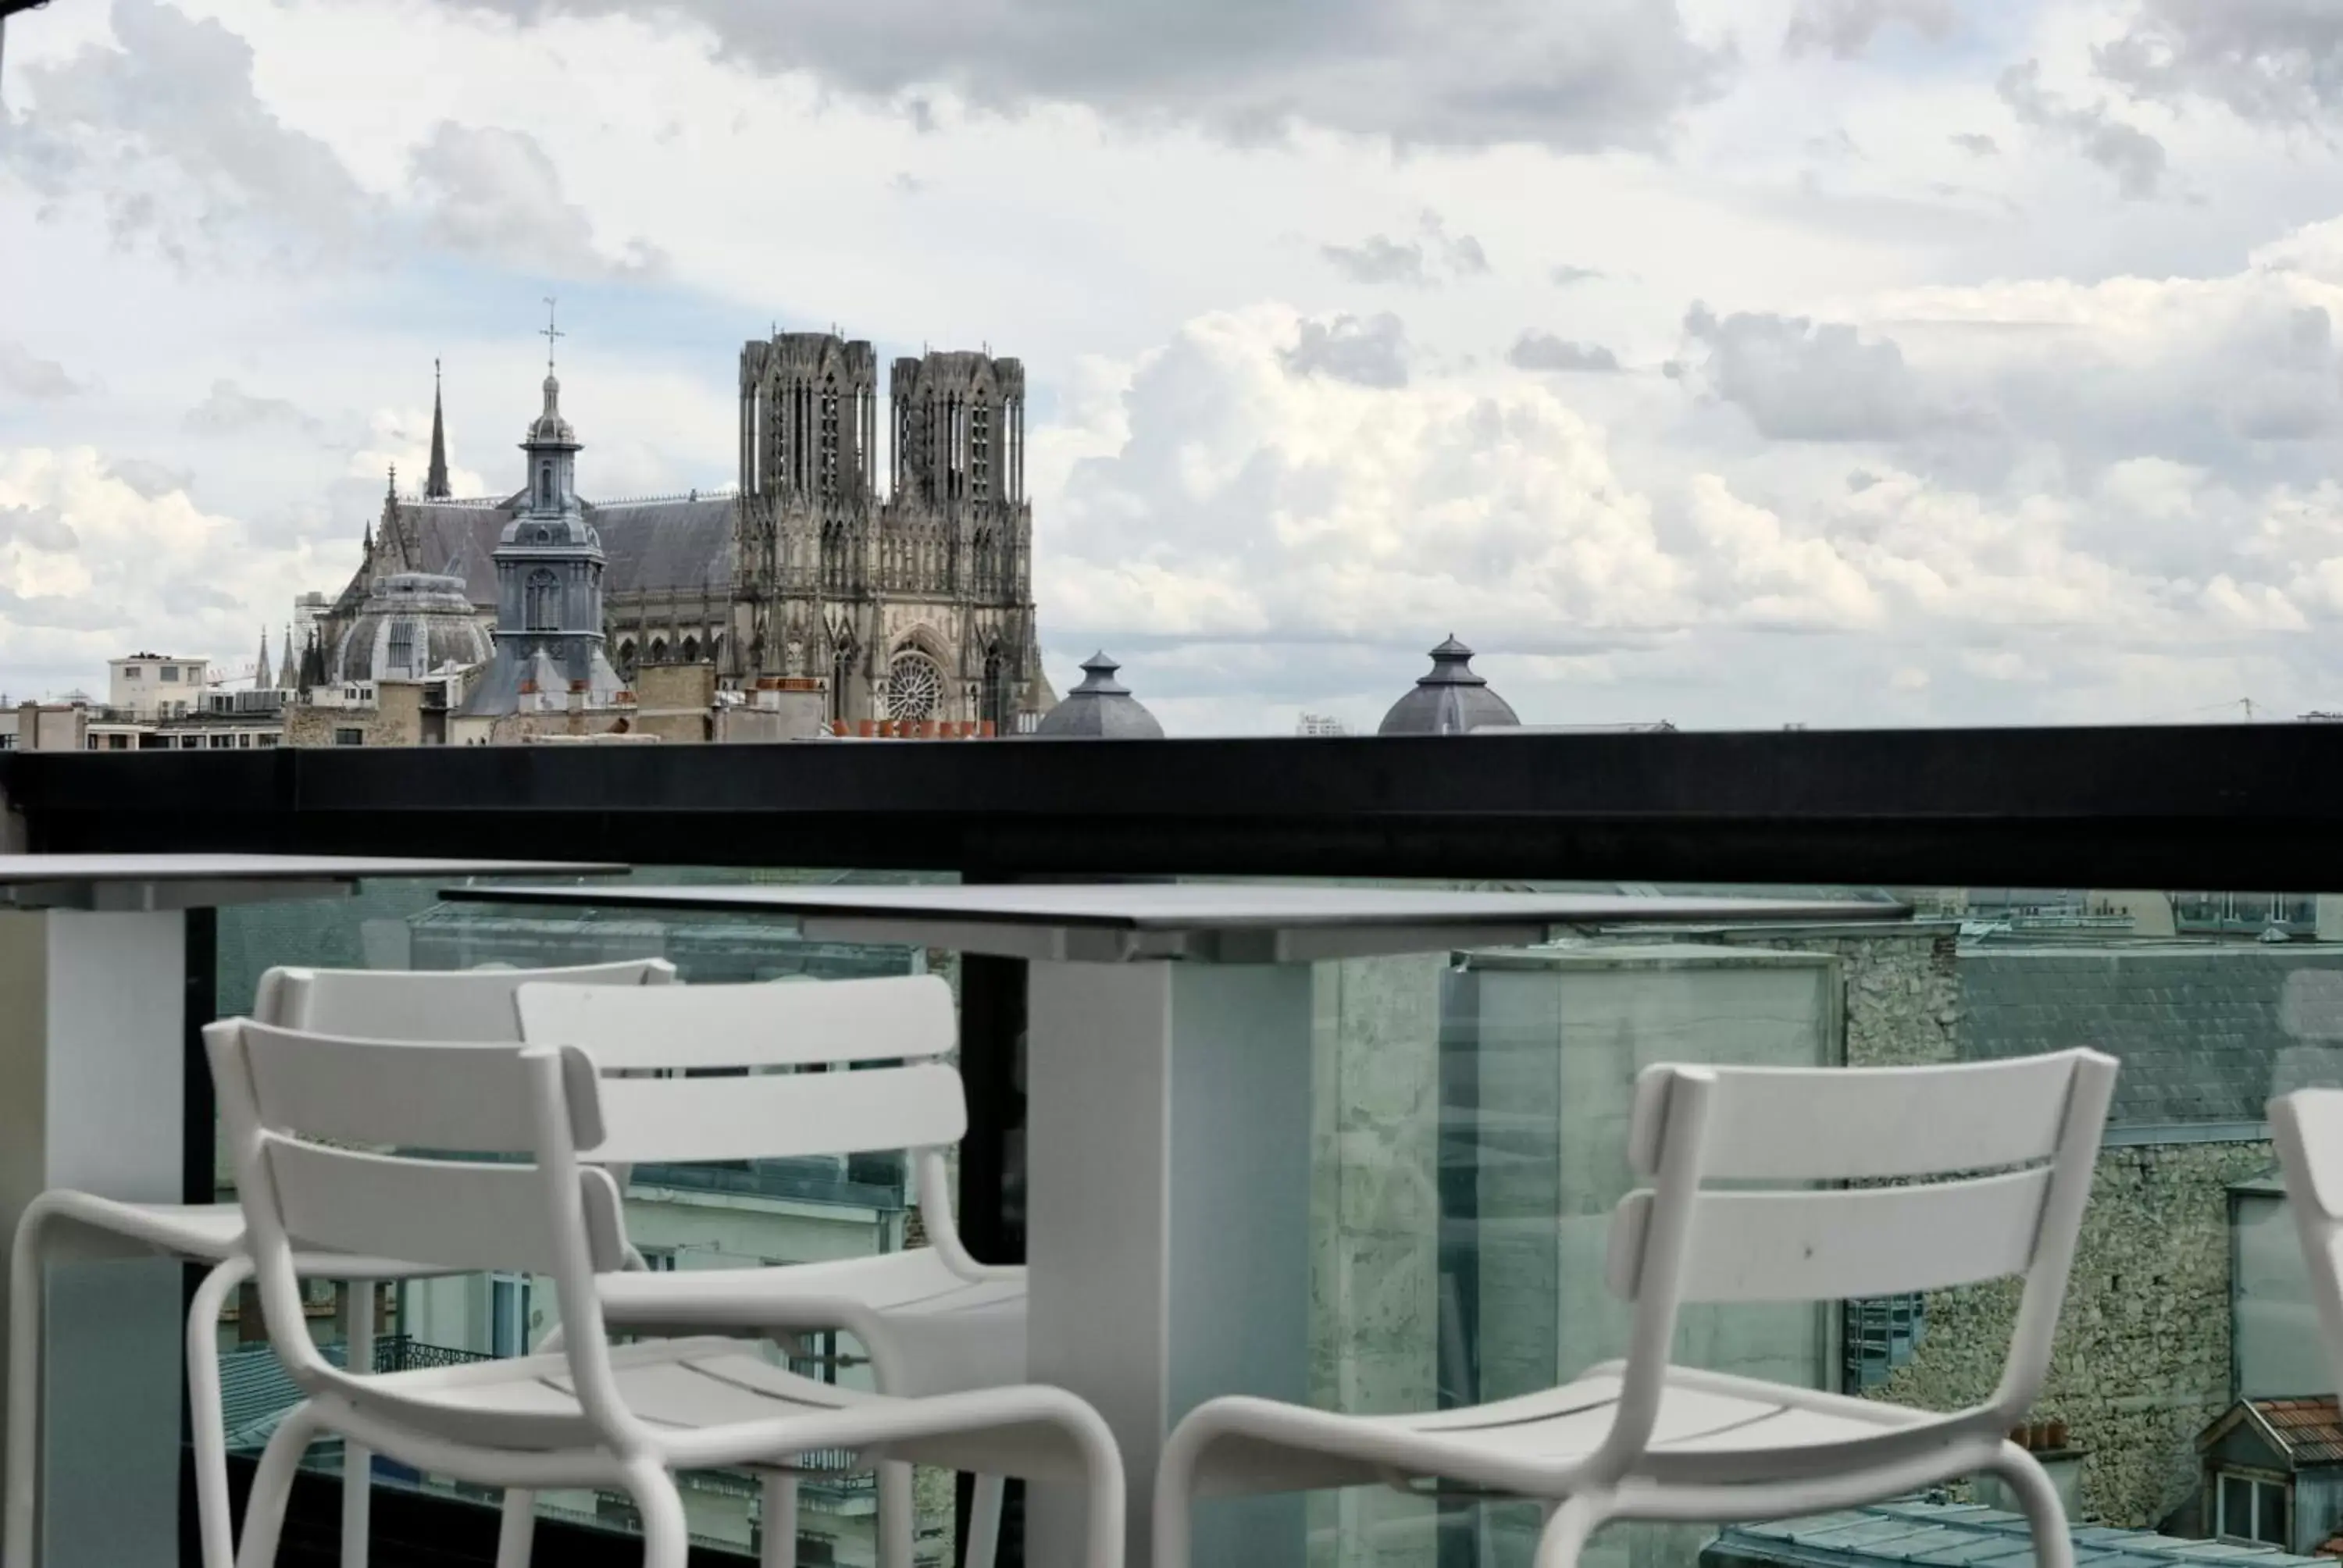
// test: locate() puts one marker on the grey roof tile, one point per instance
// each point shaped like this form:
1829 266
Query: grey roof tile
2198 1030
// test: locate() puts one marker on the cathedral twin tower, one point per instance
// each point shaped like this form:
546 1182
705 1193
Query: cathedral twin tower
923 599
916 604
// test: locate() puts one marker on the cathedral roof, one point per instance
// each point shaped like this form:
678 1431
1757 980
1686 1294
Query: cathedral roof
1450 700
457 539
666 546
671 546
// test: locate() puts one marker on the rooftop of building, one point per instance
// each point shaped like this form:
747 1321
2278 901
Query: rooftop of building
2307 1429
1965 1535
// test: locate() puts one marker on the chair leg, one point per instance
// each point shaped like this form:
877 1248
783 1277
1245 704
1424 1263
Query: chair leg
272 1486
781 1525
215 1523
1175 1492
667 1541
894 1514
357 1462
26 1279
1568 1527
516 1532
2054 1546
984 1522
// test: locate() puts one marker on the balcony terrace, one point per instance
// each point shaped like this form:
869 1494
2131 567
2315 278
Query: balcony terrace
1465 1104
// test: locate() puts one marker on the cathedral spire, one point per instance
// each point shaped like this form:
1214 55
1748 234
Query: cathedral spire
289 676
435 483
261 673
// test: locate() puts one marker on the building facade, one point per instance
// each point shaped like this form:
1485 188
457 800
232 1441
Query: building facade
913 601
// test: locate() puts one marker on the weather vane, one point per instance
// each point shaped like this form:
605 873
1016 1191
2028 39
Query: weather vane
550 332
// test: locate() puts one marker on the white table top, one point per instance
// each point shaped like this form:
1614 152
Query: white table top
1230 921
242 867
196 881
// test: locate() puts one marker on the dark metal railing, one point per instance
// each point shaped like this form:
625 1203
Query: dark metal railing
2175 807
400 1352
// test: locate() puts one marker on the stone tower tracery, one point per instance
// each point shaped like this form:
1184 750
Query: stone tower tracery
914 605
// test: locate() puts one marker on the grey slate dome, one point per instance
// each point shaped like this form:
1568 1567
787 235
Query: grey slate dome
1451 700
412 623
1101 709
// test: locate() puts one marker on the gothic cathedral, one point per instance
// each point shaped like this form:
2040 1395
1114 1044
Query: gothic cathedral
913 604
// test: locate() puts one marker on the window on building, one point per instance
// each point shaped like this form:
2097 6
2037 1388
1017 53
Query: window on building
267 740
2251 1508
995 696
134 672
402 646
545 484
507 1315
659 1260
841 672
8 741
541 597
170 672
349 736
829 441
979 453
222 742
915 687
244 741
190 742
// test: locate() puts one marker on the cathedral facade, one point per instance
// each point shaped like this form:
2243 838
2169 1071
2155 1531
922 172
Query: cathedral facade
912 603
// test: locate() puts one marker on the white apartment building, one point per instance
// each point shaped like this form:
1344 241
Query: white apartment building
156 686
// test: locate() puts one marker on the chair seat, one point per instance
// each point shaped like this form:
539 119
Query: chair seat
1711 1426
932 1331
711 1400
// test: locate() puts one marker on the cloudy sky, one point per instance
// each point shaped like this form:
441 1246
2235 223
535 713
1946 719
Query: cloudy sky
1731 362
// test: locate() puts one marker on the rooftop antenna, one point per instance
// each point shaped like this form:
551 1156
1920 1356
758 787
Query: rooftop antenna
550 332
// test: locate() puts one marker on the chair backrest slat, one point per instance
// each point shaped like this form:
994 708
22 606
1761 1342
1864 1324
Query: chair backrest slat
427 1004
466 1099
898 1018
770 1116
457 1215
1866 1242
507 1193
1778 1240
1832 1124
1847 1124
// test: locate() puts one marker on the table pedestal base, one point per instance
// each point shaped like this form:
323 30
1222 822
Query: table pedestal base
92 1017
1168 1162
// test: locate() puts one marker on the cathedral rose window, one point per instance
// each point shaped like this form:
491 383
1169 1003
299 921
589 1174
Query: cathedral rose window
915 687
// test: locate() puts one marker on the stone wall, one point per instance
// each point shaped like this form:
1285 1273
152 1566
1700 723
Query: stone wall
2141 1363
1900 985
395 720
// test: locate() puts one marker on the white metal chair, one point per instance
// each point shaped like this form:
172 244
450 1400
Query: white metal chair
587 1416
934 1318
404 1004
1640 1439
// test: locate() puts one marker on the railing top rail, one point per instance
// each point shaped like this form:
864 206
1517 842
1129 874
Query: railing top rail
2199 806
